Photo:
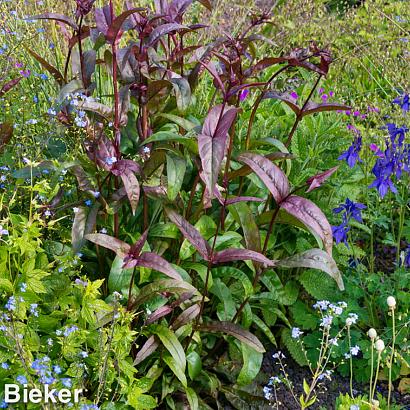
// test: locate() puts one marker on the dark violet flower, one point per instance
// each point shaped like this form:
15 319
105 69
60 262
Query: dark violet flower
351 156
340 233
393 161
244 93
403 101
294 95
351 210
407 256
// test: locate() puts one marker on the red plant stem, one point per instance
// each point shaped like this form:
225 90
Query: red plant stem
191 197
80 50
257 103
300 115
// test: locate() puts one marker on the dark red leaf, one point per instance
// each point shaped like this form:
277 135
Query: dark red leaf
9 85
270 174
132 188
137 247
212 143
312 217
103 19
312 107
317 180
164 29
57 17
158 314
232 255
190 233
286 98
114 30
153 261
119 247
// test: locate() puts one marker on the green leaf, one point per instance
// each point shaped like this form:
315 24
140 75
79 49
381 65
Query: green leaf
265 329
163 285
192 398
182 122
305 386
244 216
319 285
162 136
206 227
182 92
236 331
176 167
194 364
118 278
6 285
171 343
228 272
252 361
294 347
179 373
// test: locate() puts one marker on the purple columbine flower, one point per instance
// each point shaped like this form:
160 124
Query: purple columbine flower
351 210
340 233
407 256
392 162
403 101
351 156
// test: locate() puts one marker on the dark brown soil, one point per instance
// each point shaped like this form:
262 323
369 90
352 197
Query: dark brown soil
328 390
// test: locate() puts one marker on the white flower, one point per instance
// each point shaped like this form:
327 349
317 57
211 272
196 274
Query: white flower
274 380
326 375
343 305
334 342
146 150
76 209
321 304
354 351
354 407
391 302
278 355
267 391
326 321
103 230
296 333
352 319
372 333
379 345
337 310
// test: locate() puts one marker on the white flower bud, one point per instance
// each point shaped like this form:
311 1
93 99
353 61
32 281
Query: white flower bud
391 302
375 404
372 333
349 321
379 345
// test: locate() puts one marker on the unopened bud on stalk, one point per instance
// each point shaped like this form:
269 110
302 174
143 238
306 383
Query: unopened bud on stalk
391 302
372 333
379 345
375 404
349 321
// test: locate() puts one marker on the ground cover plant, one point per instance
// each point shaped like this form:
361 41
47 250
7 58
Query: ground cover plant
179 201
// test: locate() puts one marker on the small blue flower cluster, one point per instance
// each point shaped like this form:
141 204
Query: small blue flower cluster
392 161
349 210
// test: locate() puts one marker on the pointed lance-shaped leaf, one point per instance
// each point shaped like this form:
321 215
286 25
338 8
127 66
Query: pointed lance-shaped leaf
6 132
52 70
213 71
212 143
190 233
315 259
57 17
232 255
119 247
103 19
114 30
132 188
312 107
153 261
9 85
164 29
245 170
286 98
137 247
158 314
188 315
236 331
147 349
270 174
312 217
317 180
